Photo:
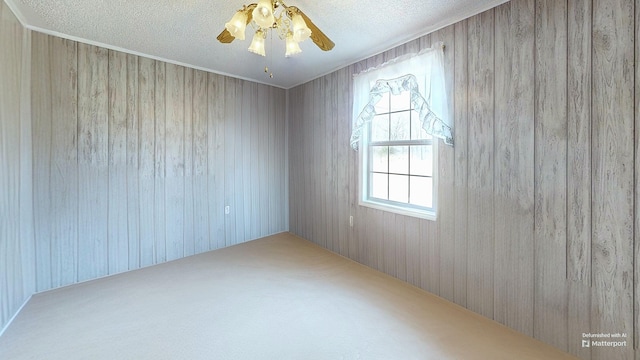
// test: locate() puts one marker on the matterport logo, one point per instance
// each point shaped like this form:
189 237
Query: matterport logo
604 340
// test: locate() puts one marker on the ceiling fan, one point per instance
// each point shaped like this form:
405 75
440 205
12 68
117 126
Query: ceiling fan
289 23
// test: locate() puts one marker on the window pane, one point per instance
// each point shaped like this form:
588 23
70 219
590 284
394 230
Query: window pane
399 188
382 107
401 101
421 191
380 158
400 126
399 159
380 186
421 160
380 128
417 132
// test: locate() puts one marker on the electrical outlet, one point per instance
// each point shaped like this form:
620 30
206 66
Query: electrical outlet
351 220
227 209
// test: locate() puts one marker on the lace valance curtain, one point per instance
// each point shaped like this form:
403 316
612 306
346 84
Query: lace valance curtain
422 75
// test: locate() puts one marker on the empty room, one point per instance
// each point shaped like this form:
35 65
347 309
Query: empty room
419 179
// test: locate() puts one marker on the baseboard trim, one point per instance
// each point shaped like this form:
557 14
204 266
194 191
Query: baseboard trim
6 326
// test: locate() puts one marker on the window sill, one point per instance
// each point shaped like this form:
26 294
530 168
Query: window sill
427 215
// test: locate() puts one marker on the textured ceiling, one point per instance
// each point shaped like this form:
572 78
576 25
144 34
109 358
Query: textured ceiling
184 31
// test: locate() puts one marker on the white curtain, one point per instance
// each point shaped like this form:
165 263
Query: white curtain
421 74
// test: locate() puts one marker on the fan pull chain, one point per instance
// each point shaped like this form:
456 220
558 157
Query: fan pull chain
266 69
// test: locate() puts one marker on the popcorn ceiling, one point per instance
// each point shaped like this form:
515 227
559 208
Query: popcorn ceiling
184 31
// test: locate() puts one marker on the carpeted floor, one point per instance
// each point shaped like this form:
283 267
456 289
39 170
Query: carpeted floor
280 297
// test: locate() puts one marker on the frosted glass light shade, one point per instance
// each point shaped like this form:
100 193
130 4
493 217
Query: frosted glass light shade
237 25
300 29
257 44
263 14
292 46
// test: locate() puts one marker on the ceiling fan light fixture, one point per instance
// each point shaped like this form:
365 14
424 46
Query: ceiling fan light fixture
275 18
292 47
263 14
237 25
257 44
301 31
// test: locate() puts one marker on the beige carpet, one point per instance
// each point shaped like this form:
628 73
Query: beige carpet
279 297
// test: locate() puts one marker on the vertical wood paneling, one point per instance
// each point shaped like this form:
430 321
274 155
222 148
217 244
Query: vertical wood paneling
429 257
159 208
336 210
429 242
460 172
318 178
276 127
5 203
389 243
188 234
612 197
274 216
579 173
282 149
215 130
16 277
400 238
341 94
117 136
150 147
412 231
250 172
636 229
27 243
133 164
147 165
551 173
378 238
260 207
200 163
293 163
328 202
308 169
230 137
353 182
126 161
480 275
240 113
513 165
525 185
579 141
42 128
251 166
93 157
446 167
64 162
249 91
174 162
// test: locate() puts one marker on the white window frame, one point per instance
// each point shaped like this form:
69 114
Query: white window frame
391 206
422 75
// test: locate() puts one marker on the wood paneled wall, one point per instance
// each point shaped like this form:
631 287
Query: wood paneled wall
538 218
136 159
16 233
127 161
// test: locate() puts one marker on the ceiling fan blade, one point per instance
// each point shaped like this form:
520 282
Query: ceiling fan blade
318 37
225 36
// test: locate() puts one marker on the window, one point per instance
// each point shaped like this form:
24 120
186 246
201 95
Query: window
399 113
397 168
